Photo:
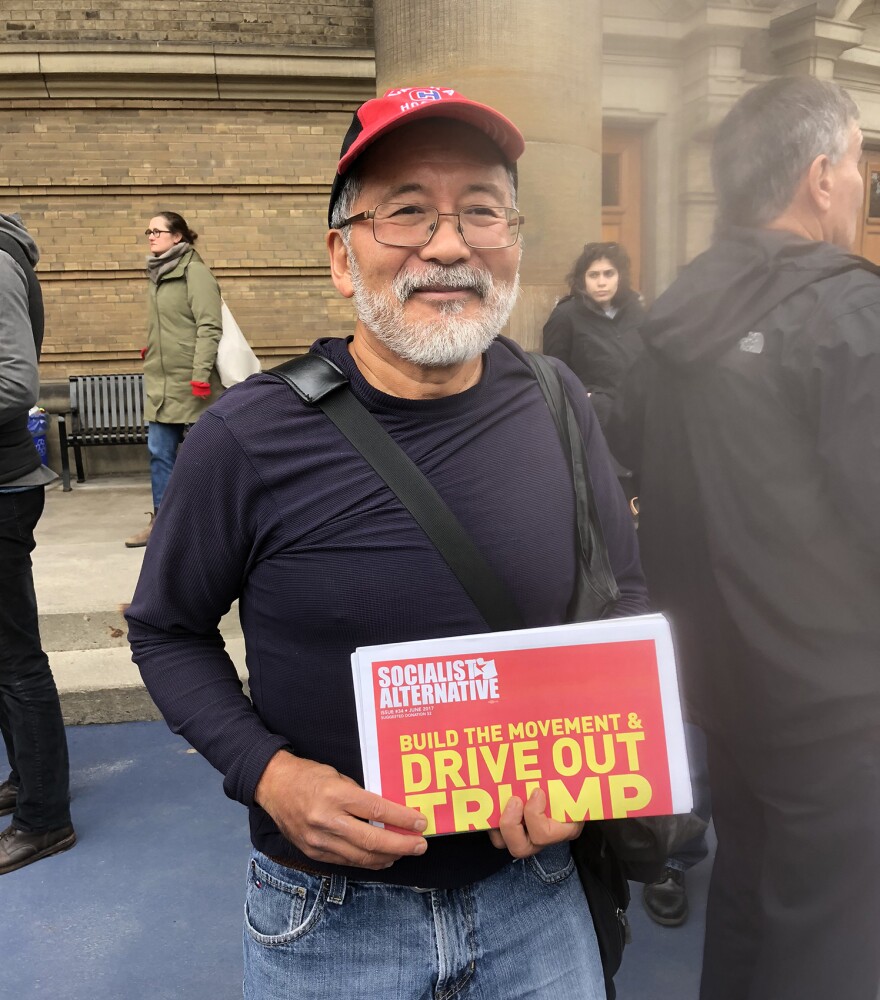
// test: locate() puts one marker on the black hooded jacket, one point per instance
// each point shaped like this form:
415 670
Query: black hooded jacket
596 347
754 421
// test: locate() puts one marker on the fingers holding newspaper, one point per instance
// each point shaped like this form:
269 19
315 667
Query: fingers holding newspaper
329 817
526 829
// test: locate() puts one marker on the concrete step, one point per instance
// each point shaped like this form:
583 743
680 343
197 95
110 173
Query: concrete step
101 685
91 662
103 629
84 576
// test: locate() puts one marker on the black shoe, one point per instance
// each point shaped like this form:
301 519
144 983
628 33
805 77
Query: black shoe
8 797
666 900
19 848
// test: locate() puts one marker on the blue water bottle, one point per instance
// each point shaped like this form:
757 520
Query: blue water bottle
38 424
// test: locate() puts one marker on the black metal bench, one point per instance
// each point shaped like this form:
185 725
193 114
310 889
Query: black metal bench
105 409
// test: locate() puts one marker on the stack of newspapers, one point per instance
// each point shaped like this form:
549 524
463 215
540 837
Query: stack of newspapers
589 713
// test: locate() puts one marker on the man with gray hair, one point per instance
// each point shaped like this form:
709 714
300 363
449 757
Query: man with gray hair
754 422
324 557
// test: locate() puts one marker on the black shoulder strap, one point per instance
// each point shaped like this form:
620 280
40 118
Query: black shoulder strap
318 382
35 295
596 591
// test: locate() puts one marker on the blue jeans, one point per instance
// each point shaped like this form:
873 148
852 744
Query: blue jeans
163 440
30 713
696 848
524 933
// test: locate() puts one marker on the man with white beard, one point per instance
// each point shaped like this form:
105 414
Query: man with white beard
323 557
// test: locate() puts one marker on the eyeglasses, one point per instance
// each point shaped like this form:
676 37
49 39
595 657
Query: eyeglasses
482 227
155 232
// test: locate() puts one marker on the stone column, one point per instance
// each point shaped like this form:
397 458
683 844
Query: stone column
540 63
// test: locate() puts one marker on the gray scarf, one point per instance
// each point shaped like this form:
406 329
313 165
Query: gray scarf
165 262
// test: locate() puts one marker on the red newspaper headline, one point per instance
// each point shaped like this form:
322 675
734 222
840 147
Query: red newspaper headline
588 721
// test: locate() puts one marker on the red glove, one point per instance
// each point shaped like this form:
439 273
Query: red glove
143 353
201 389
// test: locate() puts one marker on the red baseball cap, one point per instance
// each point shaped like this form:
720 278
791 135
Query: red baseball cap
403 105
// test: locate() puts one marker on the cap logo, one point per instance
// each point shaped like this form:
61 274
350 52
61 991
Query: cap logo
426 95
416 98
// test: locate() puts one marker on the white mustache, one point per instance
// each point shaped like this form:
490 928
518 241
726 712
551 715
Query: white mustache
456 276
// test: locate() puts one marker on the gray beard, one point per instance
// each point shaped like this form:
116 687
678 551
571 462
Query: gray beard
449 339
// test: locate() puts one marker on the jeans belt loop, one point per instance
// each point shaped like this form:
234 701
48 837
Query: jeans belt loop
337 889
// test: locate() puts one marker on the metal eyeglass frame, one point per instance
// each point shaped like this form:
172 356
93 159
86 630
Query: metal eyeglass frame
370 216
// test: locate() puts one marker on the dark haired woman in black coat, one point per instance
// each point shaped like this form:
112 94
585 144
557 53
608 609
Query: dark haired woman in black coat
594 329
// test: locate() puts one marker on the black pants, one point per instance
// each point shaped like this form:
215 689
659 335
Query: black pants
30 713
794 901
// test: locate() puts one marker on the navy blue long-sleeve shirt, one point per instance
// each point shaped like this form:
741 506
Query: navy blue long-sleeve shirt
270 504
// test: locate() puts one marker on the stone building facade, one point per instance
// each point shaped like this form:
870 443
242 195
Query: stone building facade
671 70
229 113
232 113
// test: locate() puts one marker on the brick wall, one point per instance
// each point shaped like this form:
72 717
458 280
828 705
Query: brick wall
287 22
252 181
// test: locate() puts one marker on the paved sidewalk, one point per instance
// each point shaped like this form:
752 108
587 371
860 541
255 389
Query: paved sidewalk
148 905
83 575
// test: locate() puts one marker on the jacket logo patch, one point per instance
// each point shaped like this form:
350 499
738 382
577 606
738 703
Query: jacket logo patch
752 342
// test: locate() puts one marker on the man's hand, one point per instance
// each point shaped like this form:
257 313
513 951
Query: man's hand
201 389
525 829
327 815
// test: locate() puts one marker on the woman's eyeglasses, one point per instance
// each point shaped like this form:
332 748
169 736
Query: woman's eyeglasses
155 232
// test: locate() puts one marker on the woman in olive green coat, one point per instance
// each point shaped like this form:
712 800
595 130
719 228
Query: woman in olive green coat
183 332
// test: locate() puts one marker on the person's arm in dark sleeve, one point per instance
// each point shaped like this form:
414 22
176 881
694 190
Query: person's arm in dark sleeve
847 372
215 521
203 540
558 336
611 504
602 400
625 418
